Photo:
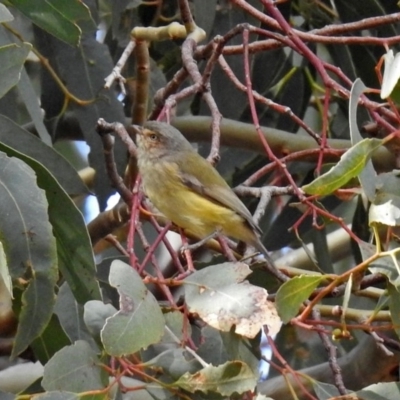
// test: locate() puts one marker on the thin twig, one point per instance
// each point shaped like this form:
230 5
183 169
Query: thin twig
116 72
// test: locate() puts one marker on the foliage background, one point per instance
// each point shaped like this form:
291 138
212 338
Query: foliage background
74 294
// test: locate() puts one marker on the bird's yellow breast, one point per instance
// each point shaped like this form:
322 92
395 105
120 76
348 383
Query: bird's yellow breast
186 208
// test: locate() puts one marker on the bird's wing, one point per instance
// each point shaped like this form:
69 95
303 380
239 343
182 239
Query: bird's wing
216 189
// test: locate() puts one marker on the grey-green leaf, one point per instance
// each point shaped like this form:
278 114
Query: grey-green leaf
4 272
367 176
56 17
17 138
12 58
75 368
70 315
380 391
226 379
5 15
29 245
139 322
222 298
95 315
74 248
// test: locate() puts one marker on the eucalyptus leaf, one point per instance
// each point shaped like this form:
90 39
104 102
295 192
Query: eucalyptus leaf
70 315
221 297
367 176
139 321
226 379
12 58
92 63
75 368
383 265
74 249
325 391
349 166
29 246
5 15
381 391
22 141
4 273
53 339
59 18
394 307
95 315
293 293
175 362
385 210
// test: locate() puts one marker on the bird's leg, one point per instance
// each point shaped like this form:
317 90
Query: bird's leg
226 249
186 252
215 235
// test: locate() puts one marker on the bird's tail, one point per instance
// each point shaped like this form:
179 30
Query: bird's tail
269 264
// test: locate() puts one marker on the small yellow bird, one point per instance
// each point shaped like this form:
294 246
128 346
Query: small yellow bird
189 191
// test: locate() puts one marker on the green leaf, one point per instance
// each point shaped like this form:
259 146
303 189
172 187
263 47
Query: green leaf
141 390
74 249
91 62
221 298
75 368
394 307
22 141
350 165
139 322
383 265
367 176
325 391
29 245
391 73
239 348
37 307
380 391
212 348
95 314
293 293
174 362
12 58
6 396
57 17
70 315
50 341
175 333
4 272
5 15
346 299
226 379
30 100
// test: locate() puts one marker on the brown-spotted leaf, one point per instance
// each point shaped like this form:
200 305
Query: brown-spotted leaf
222 298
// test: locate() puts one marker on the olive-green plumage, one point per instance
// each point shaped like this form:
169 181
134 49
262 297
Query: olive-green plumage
188 190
